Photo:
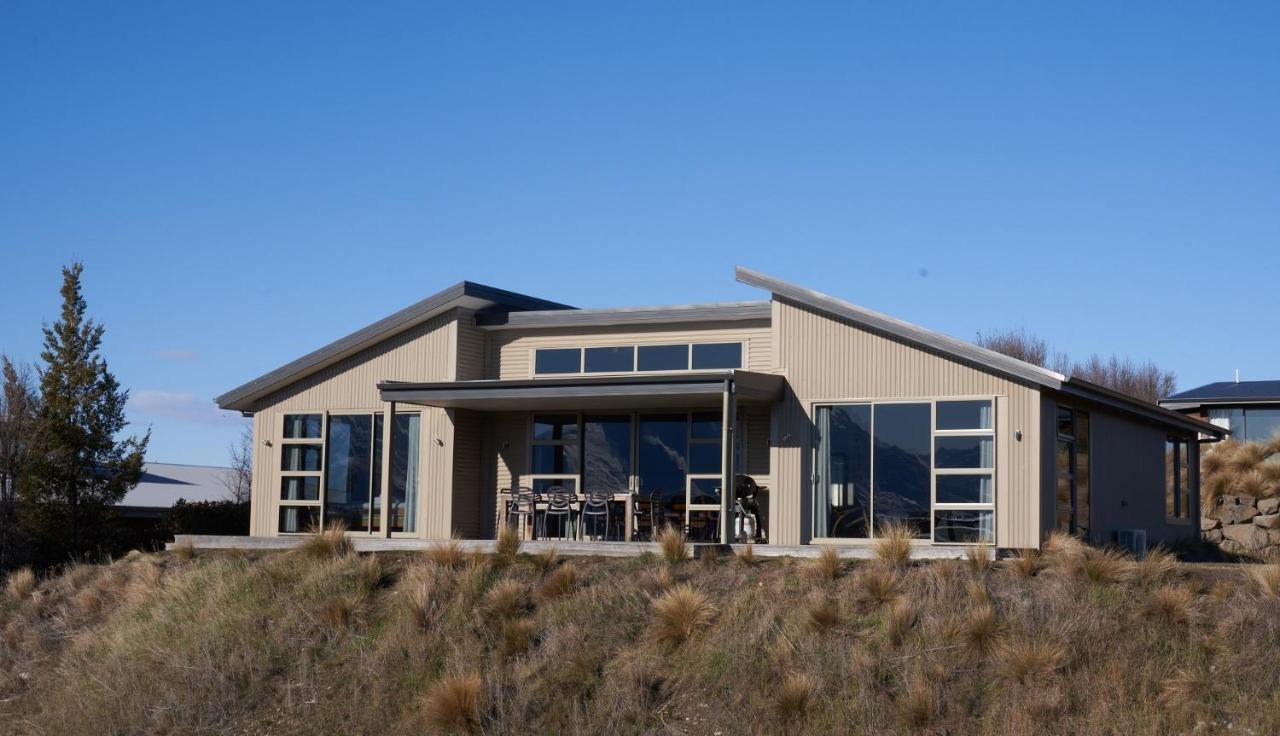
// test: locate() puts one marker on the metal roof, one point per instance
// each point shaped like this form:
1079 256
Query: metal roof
463 294
163 484
968 352
718 312
1228 392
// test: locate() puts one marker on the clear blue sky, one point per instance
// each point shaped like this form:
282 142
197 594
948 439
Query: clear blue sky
248 181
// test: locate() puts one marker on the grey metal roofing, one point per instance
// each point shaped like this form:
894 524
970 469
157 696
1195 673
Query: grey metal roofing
1228 392
968 352
463 294
717 312
163 484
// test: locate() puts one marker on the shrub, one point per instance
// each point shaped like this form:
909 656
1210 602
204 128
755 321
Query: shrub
680 612
827 565
454 703
893 544
208 517
674 544
20 584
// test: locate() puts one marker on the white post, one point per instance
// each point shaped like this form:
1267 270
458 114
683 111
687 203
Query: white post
728 412
388 436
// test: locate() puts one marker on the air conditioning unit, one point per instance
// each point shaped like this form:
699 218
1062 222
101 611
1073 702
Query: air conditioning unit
1133 540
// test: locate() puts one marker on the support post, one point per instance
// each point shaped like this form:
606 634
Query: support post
727 433
388 437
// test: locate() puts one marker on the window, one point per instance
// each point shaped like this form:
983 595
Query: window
930 465
351 448
1071 472
301 450
643 358
717 355
963 472
663 358
1247 424
558 360
1177 478
609 360
554 459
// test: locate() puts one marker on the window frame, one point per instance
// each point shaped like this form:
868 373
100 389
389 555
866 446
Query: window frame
744 346
933 401
280 474
1180 494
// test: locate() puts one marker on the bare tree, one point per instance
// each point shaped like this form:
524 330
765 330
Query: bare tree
1145 381
19 407
239 479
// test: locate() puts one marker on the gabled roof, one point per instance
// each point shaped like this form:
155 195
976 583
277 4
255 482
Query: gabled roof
463 294
1228 392
968 352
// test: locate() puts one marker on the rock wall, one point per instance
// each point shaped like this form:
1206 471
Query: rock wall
1243 525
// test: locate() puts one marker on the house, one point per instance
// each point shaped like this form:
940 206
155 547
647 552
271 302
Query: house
846 419
1249 409
164 484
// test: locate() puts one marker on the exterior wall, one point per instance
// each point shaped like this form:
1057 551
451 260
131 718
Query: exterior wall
472 500
827 359
1127 478
424 353
510 352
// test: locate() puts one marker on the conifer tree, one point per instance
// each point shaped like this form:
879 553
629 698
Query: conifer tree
19 441
84 467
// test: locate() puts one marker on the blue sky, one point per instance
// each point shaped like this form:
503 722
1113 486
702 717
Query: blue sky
248 181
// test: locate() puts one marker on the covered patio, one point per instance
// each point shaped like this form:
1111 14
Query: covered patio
640 452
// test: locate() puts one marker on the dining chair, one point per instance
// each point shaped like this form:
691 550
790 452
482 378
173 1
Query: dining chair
562 505
523 507
596 509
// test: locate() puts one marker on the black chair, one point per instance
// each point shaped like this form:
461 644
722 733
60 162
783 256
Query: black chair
595 509
562 505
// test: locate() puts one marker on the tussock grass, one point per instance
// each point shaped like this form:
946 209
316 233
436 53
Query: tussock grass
446 554
559 583
979 559
546 560
674 545
184 550
893 544
327 544
680 612
20 584
453 704
746 556
507 546
1267 578
827 565
282 642
1105 566
1025 564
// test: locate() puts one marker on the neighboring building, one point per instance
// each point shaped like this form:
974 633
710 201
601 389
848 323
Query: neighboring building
846 418
1250 410
163 484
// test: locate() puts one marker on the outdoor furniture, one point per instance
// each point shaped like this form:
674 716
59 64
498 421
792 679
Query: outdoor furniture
596 511
522 506
560 505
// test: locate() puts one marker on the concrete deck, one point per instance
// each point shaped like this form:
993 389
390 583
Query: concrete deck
566 548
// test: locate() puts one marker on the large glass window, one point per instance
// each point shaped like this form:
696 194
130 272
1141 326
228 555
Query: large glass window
1071 471
1247 424
662 462
606 453
555 452
557 360
405 447
1177 478
929 465
662 358
717 355
609 360
347 482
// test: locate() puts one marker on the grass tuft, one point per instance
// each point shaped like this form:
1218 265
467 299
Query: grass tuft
979 628
795 697
506 599
340 612
917 705
746 555
680 612
20 584
507 546
893 544
1158 566
559 583
1105 566
453 704
979 559
674 544
1171 604
517 637
545 560
878 584
1268 579
447 554
900 620
328 544
1028 659
185 550
823 613
827 565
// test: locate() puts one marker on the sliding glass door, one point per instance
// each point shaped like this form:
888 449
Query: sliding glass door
662 459
353 472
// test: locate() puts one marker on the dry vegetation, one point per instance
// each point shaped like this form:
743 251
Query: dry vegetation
1240 469
328 641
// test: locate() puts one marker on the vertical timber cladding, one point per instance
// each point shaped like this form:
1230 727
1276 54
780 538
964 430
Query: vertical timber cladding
826 358
425 352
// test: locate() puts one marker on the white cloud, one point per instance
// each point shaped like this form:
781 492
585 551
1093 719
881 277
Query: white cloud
178 354
181 405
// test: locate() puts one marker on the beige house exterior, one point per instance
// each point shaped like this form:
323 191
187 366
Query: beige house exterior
846 419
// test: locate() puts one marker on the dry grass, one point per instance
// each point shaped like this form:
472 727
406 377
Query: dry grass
546 560
1268 579
746 555
1059 546
827 565
1025 564
1105 566
559 583
184 550
679 613
327 544
507 546
1158 566
1240 468
1026 660
20 584
453 704
272 639
447 554
979 559
893 544
796 697
674 545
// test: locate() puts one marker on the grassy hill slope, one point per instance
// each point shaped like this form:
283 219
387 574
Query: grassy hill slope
327 642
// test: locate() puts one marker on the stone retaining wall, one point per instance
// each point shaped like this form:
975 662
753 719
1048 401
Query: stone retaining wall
1243 525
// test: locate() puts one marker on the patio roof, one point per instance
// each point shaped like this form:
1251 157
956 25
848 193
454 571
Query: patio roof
686 390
